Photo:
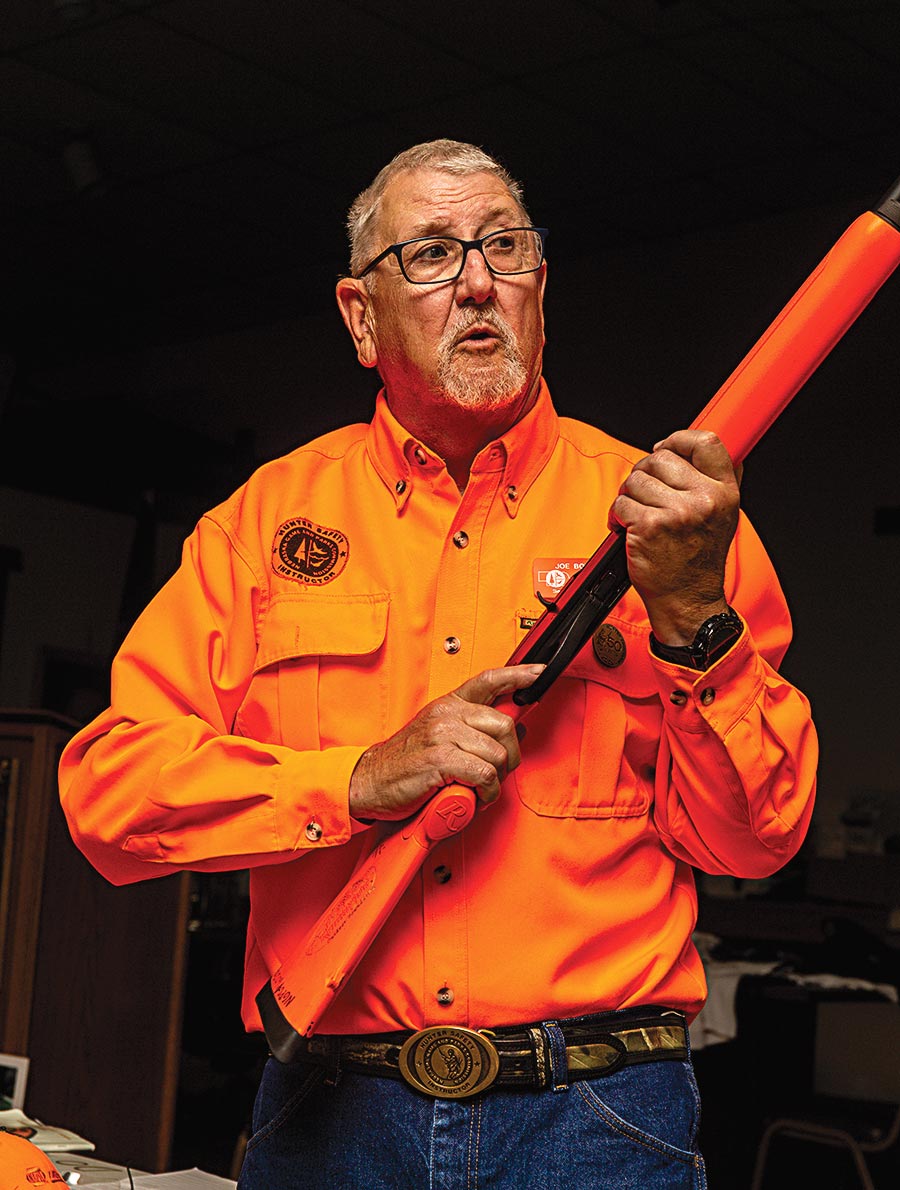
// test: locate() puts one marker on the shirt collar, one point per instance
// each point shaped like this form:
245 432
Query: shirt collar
522 451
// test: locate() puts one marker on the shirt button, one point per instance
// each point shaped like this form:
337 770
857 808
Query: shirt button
314 832
512 492
420 456
461 539
400 487
442 873
707 696
445 995
451 644
678 697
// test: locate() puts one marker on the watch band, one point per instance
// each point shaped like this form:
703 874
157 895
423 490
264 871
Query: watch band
713 639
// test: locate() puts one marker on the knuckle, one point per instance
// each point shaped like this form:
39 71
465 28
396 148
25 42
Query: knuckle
484 774
496 754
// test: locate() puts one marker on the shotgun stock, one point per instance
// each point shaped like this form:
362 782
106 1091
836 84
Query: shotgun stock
291 1003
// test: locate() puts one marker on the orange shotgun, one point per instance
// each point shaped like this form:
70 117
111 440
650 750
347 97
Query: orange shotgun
823 308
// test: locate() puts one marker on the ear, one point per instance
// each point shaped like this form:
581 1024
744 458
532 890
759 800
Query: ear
355 305
542 285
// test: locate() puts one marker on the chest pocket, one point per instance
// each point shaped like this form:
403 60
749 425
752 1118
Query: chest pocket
592 740
321 676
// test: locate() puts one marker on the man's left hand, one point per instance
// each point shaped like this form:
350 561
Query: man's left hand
680 508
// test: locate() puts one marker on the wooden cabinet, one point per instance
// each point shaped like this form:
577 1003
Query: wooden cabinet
91 976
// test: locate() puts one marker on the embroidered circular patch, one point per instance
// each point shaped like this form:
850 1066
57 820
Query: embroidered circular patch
309 553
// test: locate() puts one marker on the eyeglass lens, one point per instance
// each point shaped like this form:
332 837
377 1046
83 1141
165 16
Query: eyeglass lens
440 258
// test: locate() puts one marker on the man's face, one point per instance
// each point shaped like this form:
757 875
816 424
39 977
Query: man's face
472 344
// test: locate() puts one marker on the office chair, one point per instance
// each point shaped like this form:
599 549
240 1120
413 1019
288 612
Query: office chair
856 1085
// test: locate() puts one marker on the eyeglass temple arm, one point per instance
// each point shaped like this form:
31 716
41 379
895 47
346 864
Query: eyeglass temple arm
291 1003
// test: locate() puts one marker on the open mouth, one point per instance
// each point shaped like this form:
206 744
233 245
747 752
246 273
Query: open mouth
479 334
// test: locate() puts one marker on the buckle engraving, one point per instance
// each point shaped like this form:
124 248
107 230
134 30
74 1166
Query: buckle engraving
449 1062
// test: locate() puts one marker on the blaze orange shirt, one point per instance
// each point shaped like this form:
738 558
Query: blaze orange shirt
339 590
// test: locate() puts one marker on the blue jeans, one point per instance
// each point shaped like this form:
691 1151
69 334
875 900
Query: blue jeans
634 1129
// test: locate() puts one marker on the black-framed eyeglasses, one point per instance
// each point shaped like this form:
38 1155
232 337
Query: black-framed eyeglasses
428 260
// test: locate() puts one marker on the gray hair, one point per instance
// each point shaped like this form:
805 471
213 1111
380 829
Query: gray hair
450 156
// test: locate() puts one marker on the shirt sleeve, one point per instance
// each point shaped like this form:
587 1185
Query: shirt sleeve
159 781
736 773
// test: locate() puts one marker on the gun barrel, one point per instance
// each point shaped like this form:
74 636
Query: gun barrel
805 331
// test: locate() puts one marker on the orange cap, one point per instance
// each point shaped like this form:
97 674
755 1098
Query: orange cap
24 1166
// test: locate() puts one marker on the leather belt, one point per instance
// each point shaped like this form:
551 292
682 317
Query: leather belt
451 1062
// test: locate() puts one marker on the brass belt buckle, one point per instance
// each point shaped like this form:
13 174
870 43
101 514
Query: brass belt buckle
449 1062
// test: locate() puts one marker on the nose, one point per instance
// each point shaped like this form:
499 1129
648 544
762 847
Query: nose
476 283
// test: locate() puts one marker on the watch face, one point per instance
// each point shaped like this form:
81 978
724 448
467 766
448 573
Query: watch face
716 636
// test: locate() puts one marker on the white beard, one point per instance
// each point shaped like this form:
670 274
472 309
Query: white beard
474 383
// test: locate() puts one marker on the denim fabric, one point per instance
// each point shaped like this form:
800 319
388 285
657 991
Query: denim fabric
635 1129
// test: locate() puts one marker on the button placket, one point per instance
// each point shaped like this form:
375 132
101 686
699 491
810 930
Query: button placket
454 656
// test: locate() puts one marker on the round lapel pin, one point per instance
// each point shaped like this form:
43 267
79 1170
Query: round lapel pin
609 646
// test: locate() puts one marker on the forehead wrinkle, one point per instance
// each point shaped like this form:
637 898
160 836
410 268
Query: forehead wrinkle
443 224
428 202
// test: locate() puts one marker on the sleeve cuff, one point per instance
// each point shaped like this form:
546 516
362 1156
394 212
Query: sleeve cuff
312 799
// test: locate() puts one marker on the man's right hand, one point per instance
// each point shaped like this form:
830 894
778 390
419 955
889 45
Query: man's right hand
458 738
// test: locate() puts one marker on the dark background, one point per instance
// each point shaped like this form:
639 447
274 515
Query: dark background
177 171
174 177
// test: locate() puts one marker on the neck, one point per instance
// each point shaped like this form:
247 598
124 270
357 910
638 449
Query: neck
458 432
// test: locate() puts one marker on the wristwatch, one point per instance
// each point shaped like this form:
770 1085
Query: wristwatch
714 638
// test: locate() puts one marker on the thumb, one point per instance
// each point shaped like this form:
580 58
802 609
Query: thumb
487 685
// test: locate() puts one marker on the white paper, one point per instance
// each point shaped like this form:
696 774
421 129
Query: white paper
186 1179
49 1137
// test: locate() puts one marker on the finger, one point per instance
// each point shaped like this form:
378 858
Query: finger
488 764
484 687
479 763
653 486
485 733
497 732
703 449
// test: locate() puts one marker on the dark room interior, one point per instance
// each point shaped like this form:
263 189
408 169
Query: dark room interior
175 180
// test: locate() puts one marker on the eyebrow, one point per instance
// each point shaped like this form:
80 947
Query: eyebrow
433 227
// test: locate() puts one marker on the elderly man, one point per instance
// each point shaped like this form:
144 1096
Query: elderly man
328 655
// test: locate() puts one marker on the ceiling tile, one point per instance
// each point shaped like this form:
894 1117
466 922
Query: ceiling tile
667 19
510 42
25 22
865 80
30 177
652 107
182 79
247 188
773 73
875 27
44 111
348 57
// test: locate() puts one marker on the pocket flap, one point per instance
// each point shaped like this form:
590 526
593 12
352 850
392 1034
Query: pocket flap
633 676
323 625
